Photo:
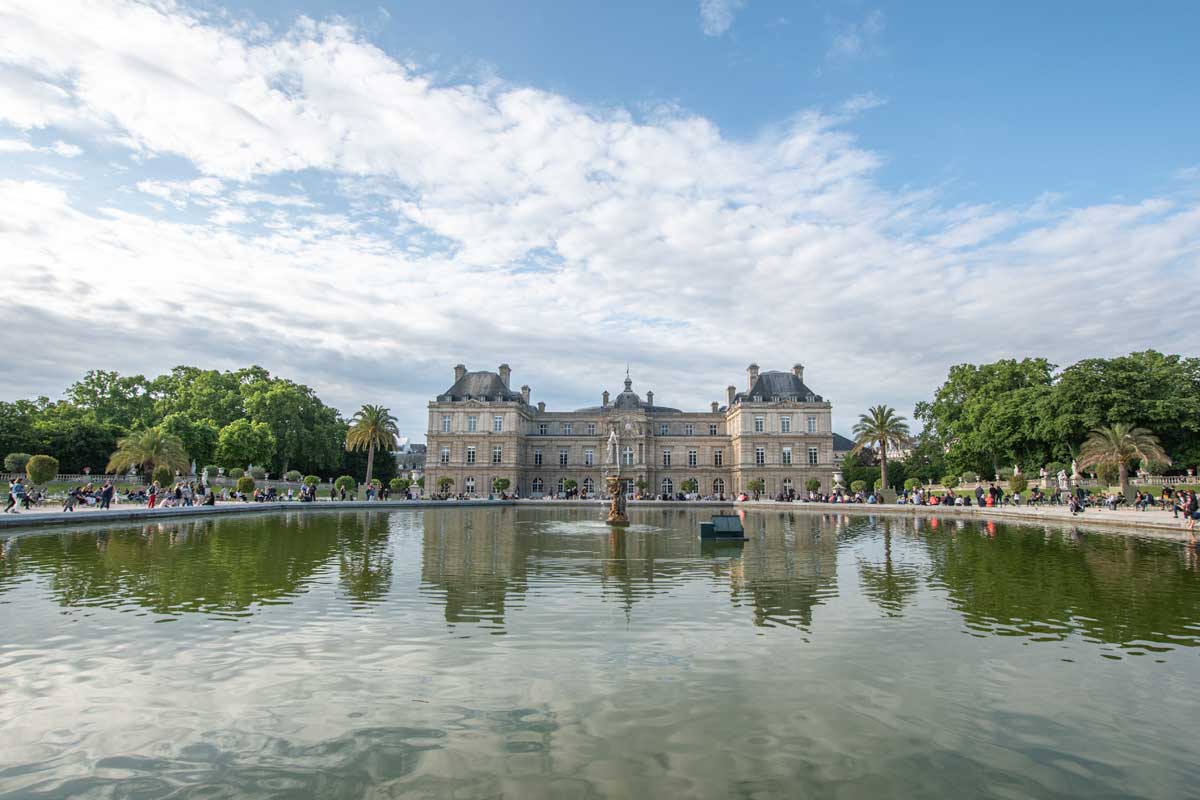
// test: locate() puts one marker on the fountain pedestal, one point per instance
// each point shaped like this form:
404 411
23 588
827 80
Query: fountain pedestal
616 509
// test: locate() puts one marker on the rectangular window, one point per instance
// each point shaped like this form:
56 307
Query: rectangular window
589 456
470 455
537 458
718 457
663 429
759 424
666 457
446 423
497 455
693 458
444 456
542 429
785 424
760 456
591 429
562 456
627 456
472 424
812 424
567 428
712 429
689 429
498 423
813 455
787 455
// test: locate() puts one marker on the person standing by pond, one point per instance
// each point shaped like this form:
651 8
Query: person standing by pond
15 490
106 494
152 494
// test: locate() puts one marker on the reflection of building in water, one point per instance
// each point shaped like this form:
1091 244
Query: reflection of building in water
474 558
790 569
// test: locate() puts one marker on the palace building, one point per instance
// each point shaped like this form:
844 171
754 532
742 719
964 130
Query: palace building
777 430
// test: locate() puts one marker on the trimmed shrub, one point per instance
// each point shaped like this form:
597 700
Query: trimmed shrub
500 485
236 473
311 480
912 483
970 477
164 476
292 475
345 482
211 471
949 481
1005 473
444 483
376 483
857 486
812 484
41 469
245 484
15 462
397 484
1017 483
878 484
258 473
688 486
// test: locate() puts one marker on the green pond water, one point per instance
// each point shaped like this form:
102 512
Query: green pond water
529 653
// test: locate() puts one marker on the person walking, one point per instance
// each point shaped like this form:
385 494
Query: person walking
14 496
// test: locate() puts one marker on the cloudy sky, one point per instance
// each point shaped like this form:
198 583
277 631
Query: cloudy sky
361 195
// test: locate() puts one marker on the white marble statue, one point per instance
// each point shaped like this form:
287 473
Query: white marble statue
612 447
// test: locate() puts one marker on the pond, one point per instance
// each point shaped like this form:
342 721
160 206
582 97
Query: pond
534 652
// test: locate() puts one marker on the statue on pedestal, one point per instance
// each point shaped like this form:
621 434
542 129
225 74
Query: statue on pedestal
616 509
611 457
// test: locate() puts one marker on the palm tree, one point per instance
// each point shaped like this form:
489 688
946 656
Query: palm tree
1120 444
879 427
149 448
372 427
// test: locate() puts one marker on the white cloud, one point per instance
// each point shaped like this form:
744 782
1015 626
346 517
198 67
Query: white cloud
716 16
352 222
16 146
857 39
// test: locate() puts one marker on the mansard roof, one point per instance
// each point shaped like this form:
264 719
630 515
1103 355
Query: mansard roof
482 385
841 443
628 400
782 385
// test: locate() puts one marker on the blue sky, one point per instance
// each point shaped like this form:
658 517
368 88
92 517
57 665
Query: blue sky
360 195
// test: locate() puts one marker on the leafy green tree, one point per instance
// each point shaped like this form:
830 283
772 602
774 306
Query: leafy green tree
912 483
124 402
444 483
306 431
164 476
149 448
499 485
199 437
17 432
15 462
1017 483
75 436
642 485
242 442
880 428
1118 445
689 485
756 486
948 481
813 484
245 484
857 486
372 428
41 469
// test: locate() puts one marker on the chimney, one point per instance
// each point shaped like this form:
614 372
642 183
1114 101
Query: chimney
716 406
604 398
798 371
542 407
730 391
752 375
525 394
505 371
459 372
649 398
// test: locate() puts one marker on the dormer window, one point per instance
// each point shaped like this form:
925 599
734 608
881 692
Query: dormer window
758 398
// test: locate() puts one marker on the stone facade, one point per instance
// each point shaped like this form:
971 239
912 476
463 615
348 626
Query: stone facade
778 430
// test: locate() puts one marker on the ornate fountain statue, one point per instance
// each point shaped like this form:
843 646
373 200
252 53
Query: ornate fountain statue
612 477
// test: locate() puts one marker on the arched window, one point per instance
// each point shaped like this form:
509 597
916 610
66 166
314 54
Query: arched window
718 487
589 486
537 486
627 456
469 485
667 486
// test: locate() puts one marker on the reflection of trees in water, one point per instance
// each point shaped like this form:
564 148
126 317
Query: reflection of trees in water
1117 589
889 584
788 569
364 555
199 565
